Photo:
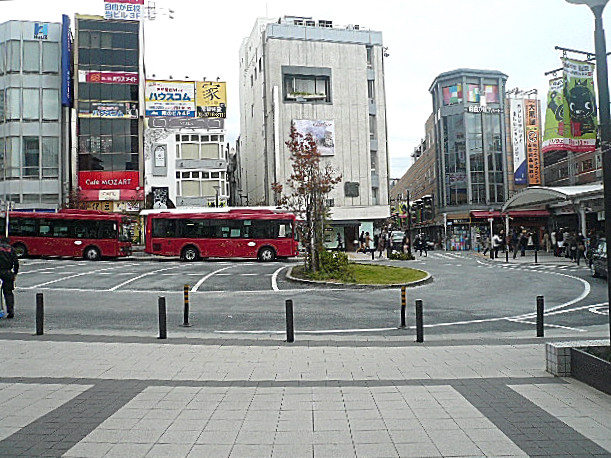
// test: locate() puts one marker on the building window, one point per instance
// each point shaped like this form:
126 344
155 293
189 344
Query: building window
371 91
50 57
374 161
31 104
31 157
2 50
13 56
13 103
374 196
198 147
50 104
369 56
50 157
372 127
198 184
31 57
307 88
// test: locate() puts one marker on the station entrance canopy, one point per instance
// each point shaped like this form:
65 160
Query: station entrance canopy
535 196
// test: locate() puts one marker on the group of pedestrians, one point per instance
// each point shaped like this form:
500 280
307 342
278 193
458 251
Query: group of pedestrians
569 244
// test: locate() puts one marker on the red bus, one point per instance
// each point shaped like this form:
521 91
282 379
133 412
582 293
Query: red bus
235 233
89 234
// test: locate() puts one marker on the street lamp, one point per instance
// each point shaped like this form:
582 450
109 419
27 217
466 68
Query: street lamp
597 7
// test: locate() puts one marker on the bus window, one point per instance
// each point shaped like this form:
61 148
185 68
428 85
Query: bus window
285 229
84 229
44 230
164 228
24 227
60 228
108 230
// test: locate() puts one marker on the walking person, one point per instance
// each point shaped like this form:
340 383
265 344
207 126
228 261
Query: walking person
9 267
546 242
515 242
367 242
487 245
381 244
581 247
554 242
523 242
362 242
560 242
340 243
496 244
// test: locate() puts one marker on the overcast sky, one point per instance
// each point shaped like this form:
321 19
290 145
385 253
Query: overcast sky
424 39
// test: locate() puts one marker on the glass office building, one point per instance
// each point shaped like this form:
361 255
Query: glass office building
30 114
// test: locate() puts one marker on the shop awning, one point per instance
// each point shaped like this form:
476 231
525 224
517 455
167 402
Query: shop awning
512 213
543 195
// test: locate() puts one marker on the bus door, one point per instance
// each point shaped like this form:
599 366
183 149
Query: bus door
228 242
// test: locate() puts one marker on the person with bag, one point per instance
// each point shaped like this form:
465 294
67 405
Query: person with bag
9 267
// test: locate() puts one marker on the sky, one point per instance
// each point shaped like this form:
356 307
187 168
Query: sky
424 38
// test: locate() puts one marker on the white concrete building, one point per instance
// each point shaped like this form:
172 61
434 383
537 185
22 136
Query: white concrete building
330 81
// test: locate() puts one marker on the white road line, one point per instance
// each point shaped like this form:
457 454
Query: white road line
324 331
547 325
114 288
46 268
275 278
203 279
71 276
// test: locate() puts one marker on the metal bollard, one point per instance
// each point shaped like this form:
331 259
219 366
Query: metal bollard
419 322
535 255
540 309
403 306
373 253
163 327
40 314
507 255
185 319
290 330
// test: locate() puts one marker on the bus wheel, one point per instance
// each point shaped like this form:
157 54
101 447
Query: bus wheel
189 254
92 254
20 250
267 254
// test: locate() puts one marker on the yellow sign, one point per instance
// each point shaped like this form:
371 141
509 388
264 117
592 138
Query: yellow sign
211 99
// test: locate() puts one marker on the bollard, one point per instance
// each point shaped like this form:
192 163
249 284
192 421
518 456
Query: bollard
403 305
535 255
419 323
290 330
507 255
540 308
163 329
185 319
40 314
373 254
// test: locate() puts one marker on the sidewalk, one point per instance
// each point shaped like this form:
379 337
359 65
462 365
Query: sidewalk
90 396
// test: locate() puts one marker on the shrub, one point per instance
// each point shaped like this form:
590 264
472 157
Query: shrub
334 265
401 256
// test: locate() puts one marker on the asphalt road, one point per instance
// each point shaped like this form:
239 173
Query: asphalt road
469 294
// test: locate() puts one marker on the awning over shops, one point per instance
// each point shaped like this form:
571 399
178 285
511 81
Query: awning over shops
543 195
512 213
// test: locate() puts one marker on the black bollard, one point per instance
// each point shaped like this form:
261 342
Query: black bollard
540 309
507 255
163 328
373 252
419 322
403 306
535 255
40 314
185 320
290 330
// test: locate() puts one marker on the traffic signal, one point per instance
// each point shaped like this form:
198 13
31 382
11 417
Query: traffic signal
427 208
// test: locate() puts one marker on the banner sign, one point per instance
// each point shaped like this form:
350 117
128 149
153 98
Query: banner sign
66 76
108 180
130 10
532 141
211 99
170 98
516 107
553 133
107 77
110 110
580 119
323 133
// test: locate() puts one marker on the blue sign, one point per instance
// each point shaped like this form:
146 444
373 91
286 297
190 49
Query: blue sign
41 31
66 78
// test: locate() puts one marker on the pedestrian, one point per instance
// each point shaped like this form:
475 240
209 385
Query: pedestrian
424 245
560 242
581 247
496 244
570 243
367 242
554 242
381 244
523 242
515 241
9 267
362 242
487 245
340 242
546 242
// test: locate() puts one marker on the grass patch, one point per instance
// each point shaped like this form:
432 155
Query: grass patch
366 274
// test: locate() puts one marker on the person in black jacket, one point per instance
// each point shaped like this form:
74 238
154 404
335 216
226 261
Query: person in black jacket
9 267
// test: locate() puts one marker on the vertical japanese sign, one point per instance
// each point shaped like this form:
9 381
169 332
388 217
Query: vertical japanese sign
66 77
580 120
553 134
531 111
211 99
516 107
130 10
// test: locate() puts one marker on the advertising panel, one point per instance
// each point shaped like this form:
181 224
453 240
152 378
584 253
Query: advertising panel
553 133
323 133
516 107
170 98
211 99
491 91
532 141
108 180
66 78
107 77
580 119
109 110
129 10
452 94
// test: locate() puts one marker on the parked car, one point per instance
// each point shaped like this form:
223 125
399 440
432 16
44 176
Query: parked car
598 266
396 240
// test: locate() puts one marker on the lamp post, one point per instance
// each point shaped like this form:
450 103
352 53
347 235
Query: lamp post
597 7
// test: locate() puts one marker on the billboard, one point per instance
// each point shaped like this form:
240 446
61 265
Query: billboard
109 110
169 98
211 99
107 77
128 10
516 107
531 111
452 94
323 133
108 180
553 131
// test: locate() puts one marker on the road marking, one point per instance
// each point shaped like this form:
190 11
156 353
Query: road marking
275 278
324 331
114 288
202 280
47 268
547 325
71 276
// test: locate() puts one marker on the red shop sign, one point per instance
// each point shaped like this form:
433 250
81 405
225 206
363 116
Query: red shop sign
108 180
112 77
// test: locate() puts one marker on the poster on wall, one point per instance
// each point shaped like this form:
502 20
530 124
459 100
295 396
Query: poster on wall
531 111
170 98
211 99
323 133
553 132
579 116
452 94
516 107
127 10
160 197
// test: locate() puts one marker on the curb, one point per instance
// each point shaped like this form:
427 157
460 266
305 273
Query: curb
425 280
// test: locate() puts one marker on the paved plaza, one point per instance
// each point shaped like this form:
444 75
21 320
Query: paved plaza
328 396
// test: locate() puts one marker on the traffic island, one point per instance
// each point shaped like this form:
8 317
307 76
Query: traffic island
586 361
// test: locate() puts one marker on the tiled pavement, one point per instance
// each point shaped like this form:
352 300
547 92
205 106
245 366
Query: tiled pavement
86 396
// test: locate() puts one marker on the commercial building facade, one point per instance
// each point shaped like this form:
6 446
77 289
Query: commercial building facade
31 119
328 81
